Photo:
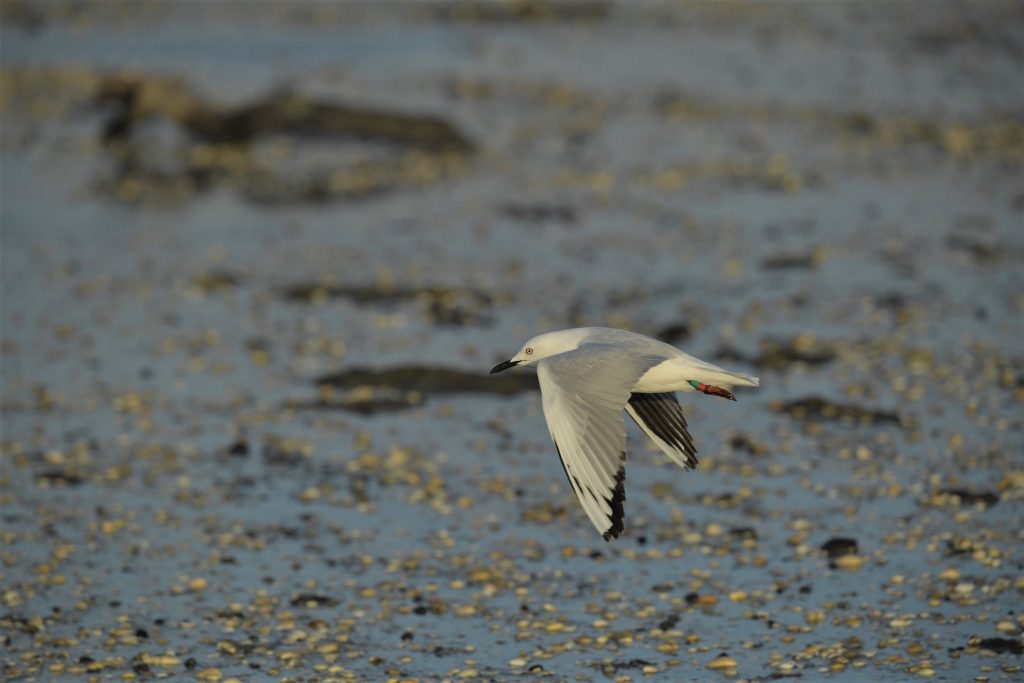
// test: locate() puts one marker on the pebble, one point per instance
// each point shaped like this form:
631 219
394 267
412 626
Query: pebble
849 562
722 663
1006 626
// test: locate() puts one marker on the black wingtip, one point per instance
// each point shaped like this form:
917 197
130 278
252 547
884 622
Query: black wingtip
661 415
616 503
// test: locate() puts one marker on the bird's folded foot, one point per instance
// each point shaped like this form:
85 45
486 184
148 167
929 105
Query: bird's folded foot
712 390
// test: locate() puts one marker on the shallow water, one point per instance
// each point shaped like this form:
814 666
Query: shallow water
817 194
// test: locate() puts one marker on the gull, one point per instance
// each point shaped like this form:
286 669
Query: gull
588 375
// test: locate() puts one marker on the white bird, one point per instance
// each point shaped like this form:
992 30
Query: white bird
588 375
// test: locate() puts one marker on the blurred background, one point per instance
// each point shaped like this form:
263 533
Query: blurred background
257 258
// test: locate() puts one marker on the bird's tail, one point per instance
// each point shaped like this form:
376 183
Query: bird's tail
720 377
744 380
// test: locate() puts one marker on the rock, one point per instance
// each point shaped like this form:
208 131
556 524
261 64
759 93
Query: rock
1000 646
722 662
216 145
239 449
778 354
816 408
430 380
848 562
312 600
673 334
450 306
971 498
791 261
540 213
132 100
837 547
750 444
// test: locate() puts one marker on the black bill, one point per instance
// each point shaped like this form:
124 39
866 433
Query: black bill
504 366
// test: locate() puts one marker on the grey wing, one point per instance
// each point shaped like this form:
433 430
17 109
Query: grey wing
660 416
584 392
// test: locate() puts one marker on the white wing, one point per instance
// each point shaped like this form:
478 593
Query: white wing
584 393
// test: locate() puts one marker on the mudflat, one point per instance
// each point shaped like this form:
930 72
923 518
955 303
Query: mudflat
257 259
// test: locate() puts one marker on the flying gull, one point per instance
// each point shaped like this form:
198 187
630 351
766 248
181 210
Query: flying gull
588 375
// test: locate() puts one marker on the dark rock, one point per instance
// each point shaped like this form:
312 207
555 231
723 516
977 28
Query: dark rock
780 354
130 100
971 498
743 442
837 547
669 622
309 292
790 261
743 533
450 306
673 334
216 146
317 600
858 122
1001 646
983 252
609 668
523 11
239 449
816 408
59 477
961 546
431 380
540 213
25 16
277 452
217 281
377 401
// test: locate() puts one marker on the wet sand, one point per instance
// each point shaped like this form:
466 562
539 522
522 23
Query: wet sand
247 431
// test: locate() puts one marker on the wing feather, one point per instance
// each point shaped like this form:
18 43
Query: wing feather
660 416
584 392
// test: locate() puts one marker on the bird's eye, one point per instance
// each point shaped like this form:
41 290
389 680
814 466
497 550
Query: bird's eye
529 352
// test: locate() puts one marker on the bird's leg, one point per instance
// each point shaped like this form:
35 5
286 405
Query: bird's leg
712 390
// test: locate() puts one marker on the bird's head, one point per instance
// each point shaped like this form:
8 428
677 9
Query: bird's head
542 346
